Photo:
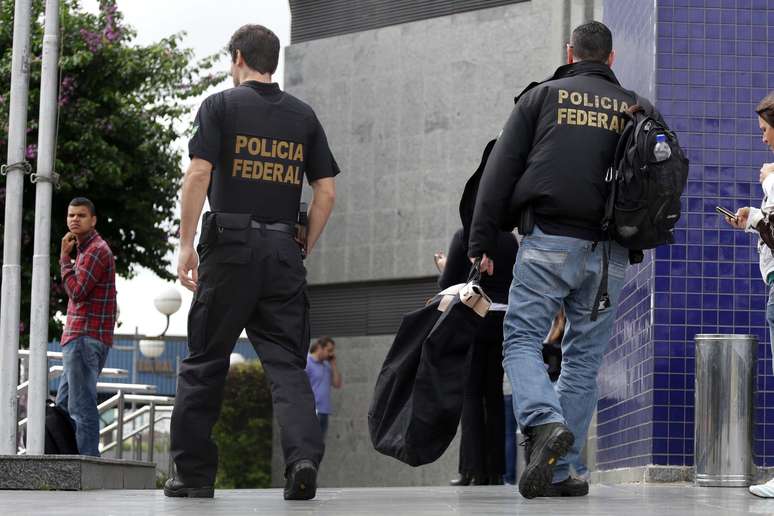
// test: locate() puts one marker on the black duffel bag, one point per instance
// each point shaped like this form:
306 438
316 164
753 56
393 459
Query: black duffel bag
418 396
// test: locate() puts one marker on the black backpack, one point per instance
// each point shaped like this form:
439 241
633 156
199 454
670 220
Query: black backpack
643 204
60 434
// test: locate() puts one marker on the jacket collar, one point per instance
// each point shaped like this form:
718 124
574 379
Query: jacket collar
586 68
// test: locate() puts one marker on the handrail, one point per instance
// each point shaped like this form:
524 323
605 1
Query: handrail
131 417
22 387
137 431
108 372
24 354
125 387
118 401
108 403
143 398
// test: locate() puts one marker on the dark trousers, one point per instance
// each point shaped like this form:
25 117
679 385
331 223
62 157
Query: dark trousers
323 424
482 448
510 441
259 286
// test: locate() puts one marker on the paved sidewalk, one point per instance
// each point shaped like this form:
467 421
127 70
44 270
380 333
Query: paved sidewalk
619 500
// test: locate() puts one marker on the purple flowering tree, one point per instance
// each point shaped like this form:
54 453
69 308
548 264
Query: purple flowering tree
120 106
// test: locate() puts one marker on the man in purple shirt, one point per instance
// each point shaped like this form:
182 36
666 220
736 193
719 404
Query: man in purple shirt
323 373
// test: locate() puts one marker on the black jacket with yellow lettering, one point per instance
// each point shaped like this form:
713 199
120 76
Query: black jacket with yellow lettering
552 155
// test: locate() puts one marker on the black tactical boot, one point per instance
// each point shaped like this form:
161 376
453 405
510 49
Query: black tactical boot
569 487
301 483
175 488
547 443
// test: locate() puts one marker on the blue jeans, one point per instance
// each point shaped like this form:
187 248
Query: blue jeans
83 359
510 441
551 272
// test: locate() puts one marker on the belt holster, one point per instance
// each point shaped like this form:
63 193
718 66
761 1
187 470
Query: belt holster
301 228
526 221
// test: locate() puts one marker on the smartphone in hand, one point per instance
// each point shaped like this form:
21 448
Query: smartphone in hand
726 213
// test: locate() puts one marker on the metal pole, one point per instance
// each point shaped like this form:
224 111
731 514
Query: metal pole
41 259
151 430
135 356
120 426
10 292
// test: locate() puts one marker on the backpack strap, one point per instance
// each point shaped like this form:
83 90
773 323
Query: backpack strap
602 299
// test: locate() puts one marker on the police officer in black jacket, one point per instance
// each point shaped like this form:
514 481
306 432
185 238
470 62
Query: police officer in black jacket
253 146
549 164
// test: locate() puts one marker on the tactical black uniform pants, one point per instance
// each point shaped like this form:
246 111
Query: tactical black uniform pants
482 446
259 286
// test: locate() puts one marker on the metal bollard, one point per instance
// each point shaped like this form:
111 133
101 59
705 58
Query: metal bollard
725 373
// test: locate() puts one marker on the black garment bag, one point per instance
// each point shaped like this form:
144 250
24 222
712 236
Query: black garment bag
417 401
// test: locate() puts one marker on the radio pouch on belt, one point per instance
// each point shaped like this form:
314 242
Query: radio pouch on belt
231 228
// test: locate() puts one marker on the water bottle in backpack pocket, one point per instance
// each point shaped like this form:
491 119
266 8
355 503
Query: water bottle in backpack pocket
646 179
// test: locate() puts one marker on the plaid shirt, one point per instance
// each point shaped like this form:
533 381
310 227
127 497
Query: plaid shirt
90 284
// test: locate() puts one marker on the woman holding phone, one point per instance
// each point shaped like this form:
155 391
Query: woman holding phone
761 221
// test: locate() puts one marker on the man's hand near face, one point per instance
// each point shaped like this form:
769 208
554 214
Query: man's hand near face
68 243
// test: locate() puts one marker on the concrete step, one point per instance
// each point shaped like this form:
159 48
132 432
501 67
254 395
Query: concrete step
74 473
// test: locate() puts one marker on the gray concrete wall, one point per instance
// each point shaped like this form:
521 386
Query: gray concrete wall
350 460
408 110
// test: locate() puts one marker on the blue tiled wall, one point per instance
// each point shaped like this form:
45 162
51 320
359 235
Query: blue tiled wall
625 410
712 66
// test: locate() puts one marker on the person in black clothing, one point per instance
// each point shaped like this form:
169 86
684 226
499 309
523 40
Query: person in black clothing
550 162
482 448
252 147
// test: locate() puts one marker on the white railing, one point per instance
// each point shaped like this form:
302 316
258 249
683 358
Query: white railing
156 408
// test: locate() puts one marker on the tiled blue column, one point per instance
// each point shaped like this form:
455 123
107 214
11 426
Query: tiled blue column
625 411
712 66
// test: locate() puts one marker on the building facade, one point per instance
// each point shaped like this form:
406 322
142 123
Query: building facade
409 94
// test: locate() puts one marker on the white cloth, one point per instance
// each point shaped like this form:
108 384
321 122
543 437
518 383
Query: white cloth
498 307
765 256
764 490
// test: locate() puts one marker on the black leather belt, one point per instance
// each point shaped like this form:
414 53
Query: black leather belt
274 226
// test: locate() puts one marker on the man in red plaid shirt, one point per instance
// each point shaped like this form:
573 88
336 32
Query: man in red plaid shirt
90 284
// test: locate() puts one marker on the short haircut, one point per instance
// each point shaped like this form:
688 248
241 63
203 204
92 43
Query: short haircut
765 108
314 347
83 201
324 341
592 41
259 47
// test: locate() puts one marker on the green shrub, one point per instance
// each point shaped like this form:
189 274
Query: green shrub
244 431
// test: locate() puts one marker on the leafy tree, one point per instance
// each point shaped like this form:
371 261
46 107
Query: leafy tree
120 106
244 431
